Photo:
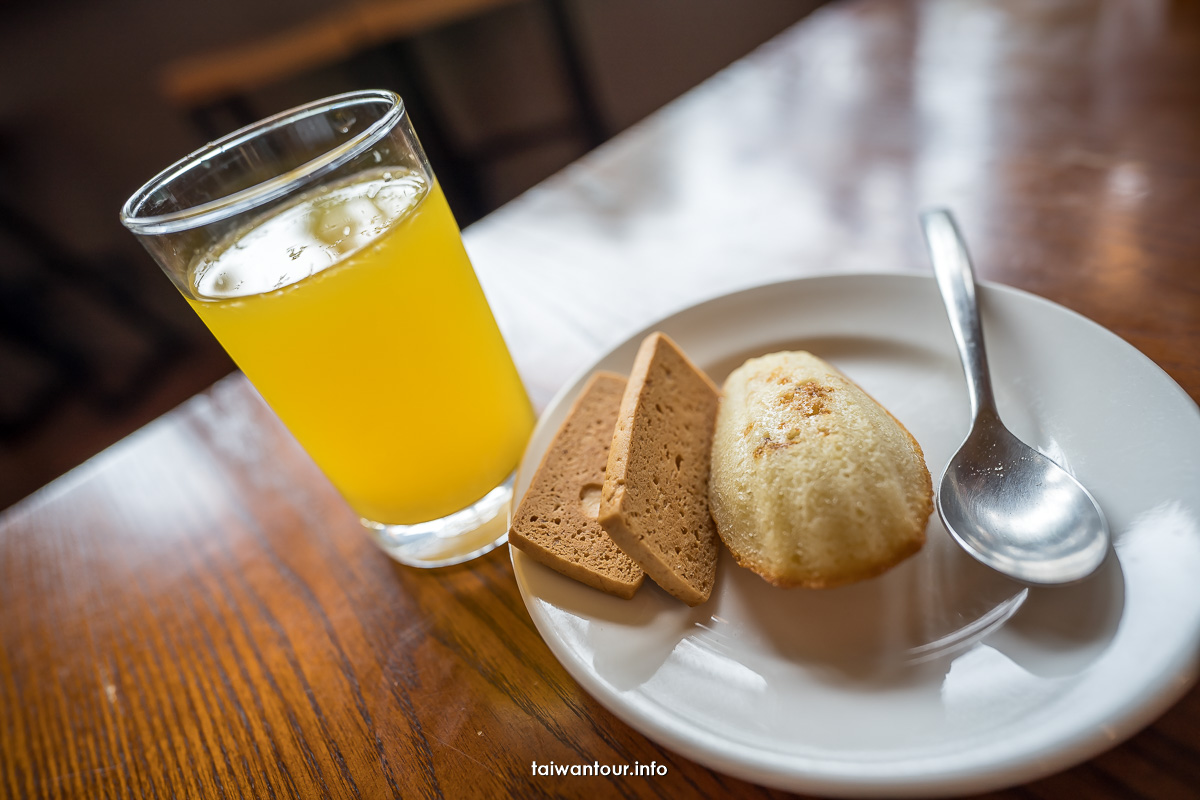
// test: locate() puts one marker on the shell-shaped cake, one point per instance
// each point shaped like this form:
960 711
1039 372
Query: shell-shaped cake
813 483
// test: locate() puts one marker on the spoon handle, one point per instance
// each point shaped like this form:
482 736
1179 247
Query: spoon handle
956 280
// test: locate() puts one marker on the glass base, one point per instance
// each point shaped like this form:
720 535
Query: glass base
479 528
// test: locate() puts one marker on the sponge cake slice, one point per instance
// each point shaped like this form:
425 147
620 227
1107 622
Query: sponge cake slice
555 522
655 499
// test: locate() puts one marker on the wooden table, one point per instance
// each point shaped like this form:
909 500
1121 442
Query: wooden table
196 613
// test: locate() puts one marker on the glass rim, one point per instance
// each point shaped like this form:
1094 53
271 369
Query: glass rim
272 188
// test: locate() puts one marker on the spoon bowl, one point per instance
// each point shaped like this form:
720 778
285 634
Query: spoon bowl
1017 511
1008 505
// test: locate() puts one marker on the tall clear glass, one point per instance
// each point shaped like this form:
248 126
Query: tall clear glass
318 248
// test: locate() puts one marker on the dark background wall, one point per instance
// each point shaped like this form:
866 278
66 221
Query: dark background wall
94 342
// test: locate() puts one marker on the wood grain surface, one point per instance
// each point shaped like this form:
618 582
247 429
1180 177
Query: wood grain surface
196 613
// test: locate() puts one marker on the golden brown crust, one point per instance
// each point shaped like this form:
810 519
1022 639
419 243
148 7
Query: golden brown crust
845 579
555 523
655 499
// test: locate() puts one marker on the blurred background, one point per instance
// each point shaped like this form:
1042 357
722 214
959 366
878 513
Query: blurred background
96 97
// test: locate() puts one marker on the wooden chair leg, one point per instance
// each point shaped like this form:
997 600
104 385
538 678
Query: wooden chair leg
591 120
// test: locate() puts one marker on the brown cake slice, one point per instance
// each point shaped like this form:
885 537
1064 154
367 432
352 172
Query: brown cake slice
655 500
555 523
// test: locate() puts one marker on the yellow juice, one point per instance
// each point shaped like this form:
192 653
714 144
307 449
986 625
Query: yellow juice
358 317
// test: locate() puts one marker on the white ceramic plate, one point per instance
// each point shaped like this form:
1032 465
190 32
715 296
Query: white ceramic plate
939 677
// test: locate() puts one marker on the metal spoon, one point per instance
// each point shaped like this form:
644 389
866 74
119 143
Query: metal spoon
1007 504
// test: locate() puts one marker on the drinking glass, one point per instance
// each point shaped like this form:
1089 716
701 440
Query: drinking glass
318 248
